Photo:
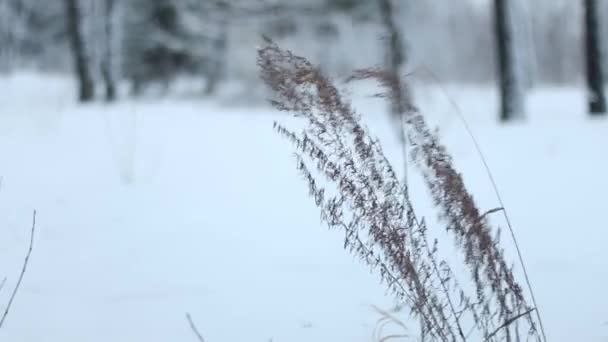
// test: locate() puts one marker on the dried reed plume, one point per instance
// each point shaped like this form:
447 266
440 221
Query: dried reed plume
369 203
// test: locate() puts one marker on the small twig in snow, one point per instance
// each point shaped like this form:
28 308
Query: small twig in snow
23 270
194 328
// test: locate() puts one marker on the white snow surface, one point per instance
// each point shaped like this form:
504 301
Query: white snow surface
151 209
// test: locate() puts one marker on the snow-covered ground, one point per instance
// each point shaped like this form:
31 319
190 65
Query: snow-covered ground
148 210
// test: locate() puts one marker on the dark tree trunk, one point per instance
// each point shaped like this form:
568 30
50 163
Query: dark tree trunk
395 51
81 62
107 64
593 51
401 101
511 92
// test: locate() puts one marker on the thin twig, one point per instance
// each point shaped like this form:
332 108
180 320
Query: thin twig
394 336
490 212
386 319
497 193
3 283
194 328
23 269
508 322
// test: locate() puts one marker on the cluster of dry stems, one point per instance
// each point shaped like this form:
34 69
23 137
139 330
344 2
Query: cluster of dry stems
372 206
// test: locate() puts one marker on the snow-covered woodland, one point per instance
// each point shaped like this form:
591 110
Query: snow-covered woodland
167 208
203 37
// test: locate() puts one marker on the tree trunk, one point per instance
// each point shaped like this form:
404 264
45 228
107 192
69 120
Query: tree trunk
6 37
396 56
215 71
593 51
511 83
11 24
81 62
401 101
107 63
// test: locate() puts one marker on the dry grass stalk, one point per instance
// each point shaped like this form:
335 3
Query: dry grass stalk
373 207
386 319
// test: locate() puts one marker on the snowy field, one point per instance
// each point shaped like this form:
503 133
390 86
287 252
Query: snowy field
148 210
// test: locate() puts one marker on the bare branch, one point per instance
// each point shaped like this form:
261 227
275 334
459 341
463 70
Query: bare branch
23 270
509 322
194 328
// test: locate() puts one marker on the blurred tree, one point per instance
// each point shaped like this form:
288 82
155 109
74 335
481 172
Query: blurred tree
394 47
33 35
217 34
593 53
395 60
162 38
554 46
27 30
512 82
108 64
9 24
81 60
343 5
216 66
327 33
